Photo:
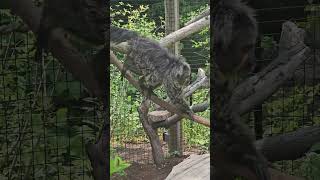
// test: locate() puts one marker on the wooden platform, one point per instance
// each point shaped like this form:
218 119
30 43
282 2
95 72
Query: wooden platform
195 167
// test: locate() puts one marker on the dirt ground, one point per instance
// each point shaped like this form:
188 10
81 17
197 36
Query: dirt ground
149 171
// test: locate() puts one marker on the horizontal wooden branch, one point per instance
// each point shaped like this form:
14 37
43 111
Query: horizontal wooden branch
154 98
185 32
289 146
176 118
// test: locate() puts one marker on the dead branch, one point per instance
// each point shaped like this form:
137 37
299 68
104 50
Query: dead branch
257 88
289 146
185 32
176 118
153 97
201 81
204 13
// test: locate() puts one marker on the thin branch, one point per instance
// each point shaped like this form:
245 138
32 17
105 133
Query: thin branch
176 118
201 81
185 32
204 13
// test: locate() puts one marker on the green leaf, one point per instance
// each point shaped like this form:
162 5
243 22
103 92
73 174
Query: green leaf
117 165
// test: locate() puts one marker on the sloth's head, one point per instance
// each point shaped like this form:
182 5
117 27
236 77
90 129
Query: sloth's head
183 72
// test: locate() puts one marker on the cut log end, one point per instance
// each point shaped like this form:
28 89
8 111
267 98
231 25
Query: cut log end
158 116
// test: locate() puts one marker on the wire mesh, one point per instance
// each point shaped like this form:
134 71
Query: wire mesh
46 116
296 104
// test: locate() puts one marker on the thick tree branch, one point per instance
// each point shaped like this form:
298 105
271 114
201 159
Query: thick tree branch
157 151
258 88
289 146
185 32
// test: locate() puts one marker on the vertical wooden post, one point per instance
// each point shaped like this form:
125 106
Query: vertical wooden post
172 24
316 26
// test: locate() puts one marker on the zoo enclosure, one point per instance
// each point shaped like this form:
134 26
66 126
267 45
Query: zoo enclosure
128 126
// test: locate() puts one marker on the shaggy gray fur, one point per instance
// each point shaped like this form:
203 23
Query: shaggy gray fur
156 65
118 35
235 31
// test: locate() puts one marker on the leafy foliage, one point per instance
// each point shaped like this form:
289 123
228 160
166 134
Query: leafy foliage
117 165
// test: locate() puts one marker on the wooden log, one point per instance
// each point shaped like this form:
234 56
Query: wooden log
289 146
194 167
158 116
